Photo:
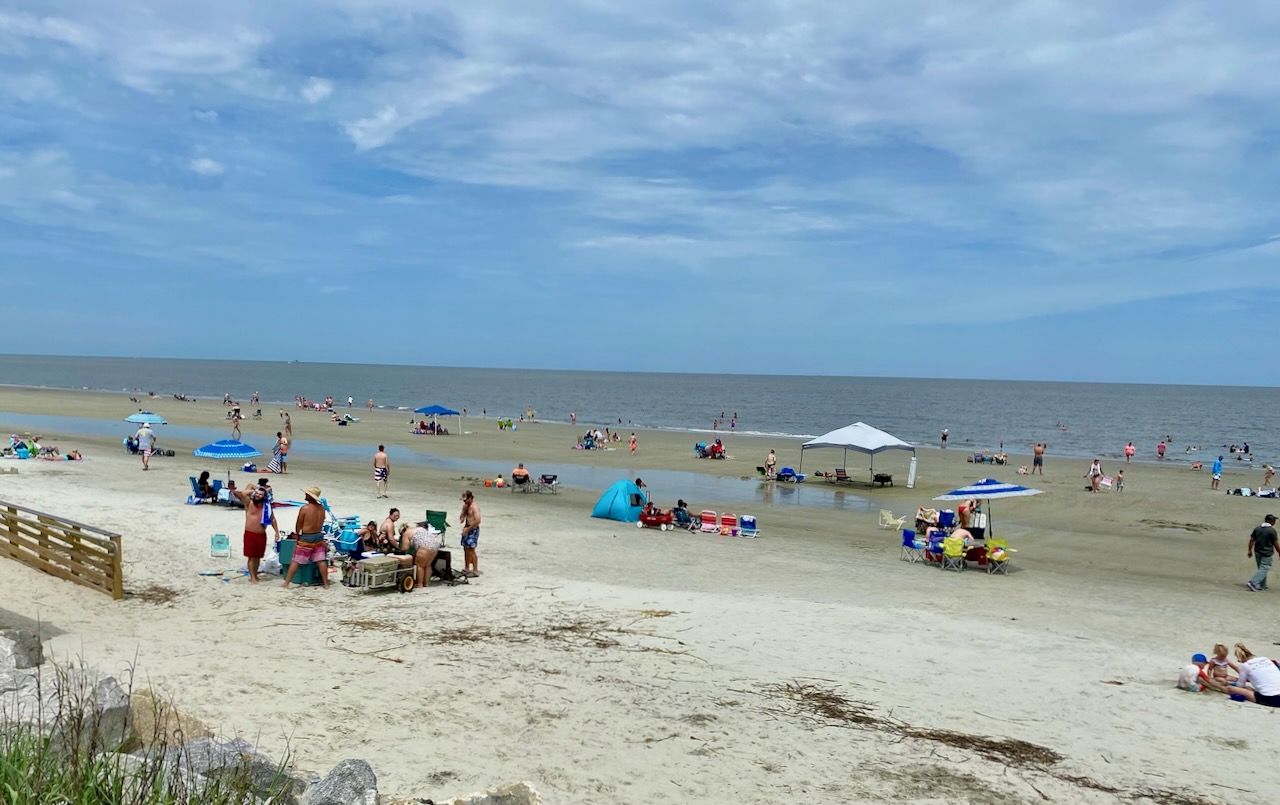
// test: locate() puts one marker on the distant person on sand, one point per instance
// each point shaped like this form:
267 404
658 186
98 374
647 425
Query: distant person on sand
1262 549
279 455
1094 475
370 403
381 471
1129 450
235 423
1037 457
1160 448
470 519
1267 474
146 443
945 434
633 444
309 533
1216 473
771 465
288 426
1120 481
350 401
254 500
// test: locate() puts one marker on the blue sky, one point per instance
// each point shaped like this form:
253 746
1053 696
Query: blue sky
1037 190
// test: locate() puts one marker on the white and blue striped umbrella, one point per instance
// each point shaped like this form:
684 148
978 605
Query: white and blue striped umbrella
146 417
227 449
989 488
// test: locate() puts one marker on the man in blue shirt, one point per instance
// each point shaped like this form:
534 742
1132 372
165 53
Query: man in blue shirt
1217 473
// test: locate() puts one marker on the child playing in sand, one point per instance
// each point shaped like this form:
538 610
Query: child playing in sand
1195 677
1221 667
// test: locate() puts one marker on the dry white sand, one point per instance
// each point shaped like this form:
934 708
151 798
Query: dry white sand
609 664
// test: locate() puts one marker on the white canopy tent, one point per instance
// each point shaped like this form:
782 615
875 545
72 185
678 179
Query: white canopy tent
862 438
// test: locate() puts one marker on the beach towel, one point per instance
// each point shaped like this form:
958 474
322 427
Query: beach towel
274 466
266 511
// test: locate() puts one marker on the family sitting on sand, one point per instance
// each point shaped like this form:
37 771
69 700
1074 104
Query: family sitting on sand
1246 678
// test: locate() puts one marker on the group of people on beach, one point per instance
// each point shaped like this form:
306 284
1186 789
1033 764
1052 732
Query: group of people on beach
36 450
1246 677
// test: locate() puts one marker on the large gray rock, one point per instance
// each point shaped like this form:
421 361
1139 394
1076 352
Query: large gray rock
76 707
19 649
234 760
521 793
352 782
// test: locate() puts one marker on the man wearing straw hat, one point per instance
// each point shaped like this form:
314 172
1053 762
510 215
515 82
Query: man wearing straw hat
146 442
309 533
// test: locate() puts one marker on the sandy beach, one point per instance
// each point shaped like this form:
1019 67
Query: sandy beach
605 663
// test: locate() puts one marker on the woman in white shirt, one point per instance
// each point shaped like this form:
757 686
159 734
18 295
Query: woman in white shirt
1259 672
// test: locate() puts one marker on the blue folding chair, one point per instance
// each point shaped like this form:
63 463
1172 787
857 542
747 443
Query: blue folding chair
912 547
946 519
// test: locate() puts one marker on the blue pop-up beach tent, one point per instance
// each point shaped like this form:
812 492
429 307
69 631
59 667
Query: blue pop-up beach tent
622 501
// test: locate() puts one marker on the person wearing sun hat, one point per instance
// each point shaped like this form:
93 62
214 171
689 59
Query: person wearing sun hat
309 533
146 444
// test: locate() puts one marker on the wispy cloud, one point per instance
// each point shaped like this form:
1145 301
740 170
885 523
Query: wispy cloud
317 89
207 167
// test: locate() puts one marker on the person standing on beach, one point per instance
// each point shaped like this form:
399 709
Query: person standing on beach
1160 448
309 533
1216 473
1037 457
370 403
633 444
1268 472
235 423
1262 549
470 519
146 441
288 426
1094 475
573 417
771 465
254 499
280 454
945 434
381 471
1129 450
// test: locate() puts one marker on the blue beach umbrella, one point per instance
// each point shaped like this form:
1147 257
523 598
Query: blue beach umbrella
227 449
439 410
146 417
989 488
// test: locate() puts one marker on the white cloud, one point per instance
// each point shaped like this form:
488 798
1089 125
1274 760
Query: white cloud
317 89
204 115
207 167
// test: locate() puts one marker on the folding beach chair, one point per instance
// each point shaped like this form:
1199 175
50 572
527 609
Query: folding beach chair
953 554
842 477
728 525
547 483
998 556
749 528
523 483
912 547
1106 482
710 522
888 520
947 519
220 546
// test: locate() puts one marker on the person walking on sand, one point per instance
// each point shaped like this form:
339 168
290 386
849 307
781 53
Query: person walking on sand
1094 475
309 533
146 443
255 502
235 423
470 519
1037 457
370 403
945 434
1216 473
1129 450
633 444
1267 474
1262 549
381 471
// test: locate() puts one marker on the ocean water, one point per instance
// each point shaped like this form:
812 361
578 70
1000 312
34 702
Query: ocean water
1074 419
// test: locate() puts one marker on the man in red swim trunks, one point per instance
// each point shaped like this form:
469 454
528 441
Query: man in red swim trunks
255 531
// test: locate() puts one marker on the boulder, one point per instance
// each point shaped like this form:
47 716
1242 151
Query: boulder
19 649
521 793
77 706
235 760
157 721
351 782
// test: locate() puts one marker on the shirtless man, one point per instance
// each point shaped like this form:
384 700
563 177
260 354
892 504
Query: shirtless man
235 423
387 531
282 446
288 426
1037 458
381 471
309 533
470 518
255 531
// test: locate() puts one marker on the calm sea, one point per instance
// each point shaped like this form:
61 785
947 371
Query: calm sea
1076 419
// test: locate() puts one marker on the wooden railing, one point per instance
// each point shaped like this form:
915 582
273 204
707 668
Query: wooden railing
63 548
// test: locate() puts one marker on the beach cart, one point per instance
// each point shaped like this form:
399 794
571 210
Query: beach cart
377 573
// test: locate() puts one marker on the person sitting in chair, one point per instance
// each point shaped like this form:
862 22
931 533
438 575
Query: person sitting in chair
520 475
207 492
